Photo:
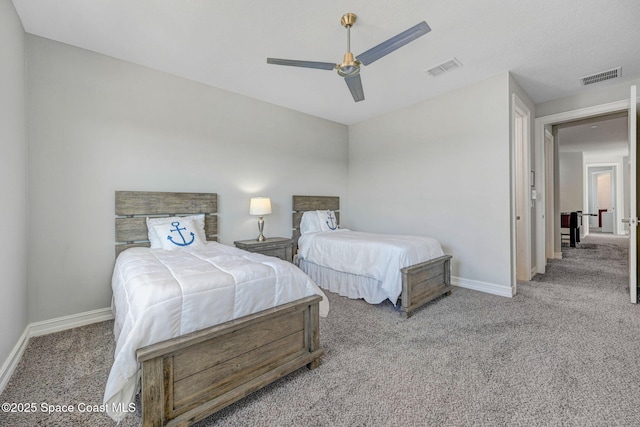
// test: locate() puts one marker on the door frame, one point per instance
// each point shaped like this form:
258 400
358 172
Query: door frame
616 190
549 160
540 124
522 186
634 125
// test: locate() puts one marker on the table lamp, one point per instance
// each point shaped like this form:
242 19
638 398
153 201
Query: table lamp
260 206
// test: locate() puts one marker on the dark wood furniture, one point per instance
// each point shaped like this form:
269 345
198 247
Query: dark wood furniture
187 378
600 211
421 282
571 220
279 247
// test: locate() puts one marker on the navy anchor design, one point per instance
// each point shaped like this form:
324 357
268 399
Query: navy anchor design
333 224
179 230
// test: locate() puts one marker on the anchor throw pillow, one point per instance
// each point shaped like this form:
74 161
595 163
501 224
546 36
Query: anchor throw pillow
157 242
181 233
328 220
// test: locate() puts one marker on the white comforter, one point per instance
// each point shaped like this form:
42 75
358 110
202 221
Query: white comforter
377 256
160 294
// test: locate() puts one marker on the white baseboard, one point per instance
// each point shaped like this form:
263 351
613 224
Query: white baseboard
68 322
558 255
12 361
489 288
47 327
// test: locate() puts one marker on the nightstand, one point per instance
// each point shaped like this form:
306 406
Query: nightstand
279 247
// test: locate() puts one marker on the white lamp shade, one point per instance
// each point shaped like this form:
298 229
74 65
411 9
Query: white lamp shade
260 206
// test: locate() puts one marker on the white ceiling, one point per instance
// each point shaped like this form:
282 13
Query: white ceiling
547 44
600 136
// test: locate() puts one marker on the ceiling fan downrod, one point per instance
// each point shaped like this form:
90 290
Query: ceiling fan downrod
349 67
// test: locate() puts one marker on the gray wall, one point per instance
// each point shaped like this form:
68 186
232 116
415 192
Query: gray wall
441 168
571 176
13 180
98 124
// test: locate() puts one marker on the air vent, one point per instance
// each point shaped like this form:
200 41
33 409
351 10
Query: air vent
600 77
444 67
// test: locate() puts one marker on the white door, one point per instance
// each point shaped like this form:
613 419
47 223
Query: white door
633 215
521 205
523 185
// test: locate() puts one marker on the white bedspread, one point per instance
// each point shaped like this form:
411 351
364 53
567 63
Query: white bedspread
160 294
378 256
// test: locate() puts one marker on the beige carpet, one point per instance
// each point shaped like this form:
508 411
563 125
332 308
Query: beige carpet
563 352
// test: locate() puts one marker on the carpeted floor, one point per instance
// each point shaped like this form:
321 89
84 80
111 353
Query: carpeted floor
563 352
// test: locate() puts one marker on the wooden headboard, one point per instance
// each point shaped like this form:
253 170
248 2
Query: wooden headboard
132 208
301 204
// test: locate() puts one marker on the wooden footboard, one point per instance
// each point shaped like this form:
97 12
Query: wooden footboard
187 378
423 282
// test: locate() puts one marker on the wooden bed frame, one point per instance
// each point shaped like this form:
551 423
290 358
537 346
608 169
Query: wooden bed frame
188 378
421 282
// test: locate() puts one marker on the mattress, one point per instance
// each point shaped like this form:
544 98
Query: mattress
160 294
378 257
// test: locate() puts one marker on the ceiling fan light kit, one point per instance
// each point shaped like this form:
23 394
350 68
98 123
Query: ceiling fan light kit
349 68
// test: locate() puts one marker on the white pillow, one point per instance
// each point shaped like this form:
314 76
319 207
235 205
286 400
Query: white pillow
310 223
157 243
327 220
180 233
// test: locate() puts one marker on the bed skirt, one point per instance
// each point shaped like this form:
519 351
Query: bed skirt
345 284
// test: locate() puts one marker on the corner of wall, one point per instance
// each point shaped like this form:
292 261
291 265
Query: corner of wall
13 182
47 327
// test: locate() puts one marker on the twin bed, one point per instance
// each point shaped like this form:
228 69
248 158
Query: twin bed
200 325
235 322
374 267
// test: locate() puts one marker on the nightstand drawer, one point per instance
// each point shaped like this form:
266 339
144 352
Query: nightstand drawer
278 253
279 247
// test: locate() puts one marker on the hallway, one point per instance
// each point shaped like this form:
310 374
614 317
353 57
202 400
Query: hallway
597 267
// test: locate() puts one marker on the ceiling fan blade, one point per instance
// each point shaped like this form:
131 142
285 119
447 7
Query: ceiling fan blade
305 64
355 86
393 43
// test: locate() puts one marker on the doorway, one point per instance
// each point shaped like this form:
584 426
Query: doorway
587 146
626 171
602 201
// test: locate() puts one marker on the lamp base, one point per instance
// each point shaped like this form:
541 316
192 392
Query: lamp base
261 237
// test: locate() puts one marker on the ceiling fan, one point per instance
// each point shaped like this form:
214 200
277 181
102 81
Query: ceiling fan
350 66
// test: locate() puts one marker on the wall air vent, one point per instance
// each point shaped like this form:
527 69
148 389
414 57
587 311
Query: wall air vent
600 77
444 67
